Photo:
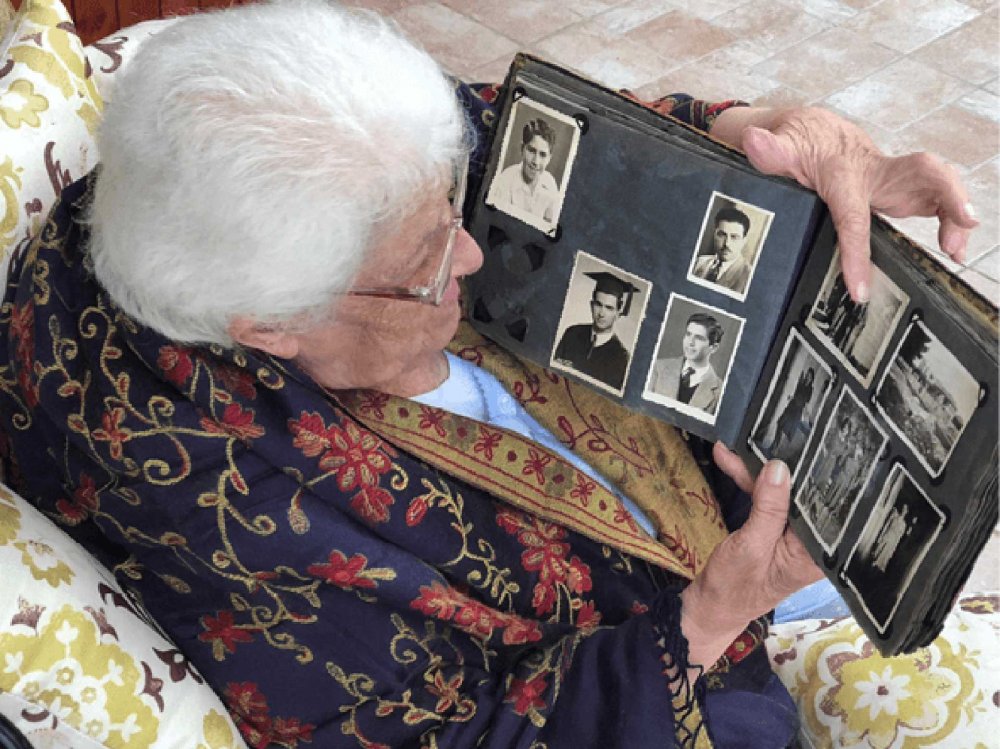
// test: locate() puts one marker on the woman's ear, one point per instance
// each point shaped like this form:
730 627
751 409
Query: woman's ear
274 341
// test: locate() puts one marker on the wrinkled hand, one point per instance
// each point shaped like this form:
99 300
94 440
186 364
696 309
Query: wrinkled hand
752 570
834 157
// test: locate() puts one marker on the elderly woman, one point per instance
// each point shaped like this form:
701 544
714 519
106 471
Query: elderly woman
217 377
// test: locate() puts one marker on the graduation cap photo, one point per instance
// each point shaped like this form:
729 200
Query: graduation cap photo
600 321
610 284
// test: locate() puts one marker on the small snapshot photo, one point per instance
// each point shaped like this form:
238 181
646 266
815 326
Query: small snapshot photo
536 158
693 356
901 528
857 334
795 398
599 326
927 396
732 235
841 468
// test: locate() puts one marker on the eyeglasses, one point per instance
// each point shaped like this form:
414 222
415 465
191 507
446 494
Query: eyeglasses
430 280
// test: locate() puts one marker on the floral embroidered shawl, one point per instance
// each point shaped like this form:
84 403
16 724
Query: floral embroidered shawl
361 570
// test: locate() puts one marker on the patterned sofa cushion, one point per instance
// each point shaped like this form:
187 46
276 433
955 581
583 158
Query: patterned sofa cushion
80 665
49 109
107 56
944 696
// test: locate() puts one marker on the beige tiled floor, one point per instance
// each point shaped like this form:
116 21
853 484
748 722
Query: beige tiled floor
916 74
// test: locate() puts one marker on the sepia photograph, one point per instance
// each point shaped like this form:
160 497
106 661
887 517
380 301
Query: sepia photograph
894 541
841 469
857 334
732 235
787 422
693 356
599 326
536 158
927 396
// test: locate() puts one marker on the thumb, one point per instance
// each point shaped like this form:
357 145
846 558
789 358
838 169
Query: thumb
769 512
770 153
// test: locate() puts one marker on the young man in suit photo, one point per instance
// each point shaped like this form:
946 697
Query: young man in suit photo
691 378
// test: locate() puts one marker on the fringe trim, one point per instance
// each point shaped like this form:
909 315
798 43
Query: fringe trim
690 731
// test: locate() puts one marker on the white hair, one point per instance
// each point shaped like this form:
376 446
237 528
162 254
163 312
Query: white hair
251 156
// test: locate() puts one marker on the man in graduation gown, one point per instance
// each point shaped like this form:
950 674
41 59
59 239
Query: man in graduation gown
595 350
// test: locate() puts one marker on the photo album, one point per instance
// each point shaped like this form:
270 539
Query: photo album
638 256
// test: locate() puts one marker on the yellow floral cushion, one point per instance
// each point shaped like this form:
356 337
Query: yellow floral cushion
79 665
49 109
944 696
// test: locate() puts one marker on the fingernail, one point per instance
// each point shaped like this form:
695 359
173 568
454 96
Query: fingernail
970 211
863 292
777 472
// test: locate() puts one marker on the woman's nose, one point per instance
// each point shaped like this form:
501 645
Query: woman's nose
468 257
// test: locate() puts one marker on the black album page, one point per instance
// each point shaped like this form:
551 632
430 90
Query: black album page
631 253
886 413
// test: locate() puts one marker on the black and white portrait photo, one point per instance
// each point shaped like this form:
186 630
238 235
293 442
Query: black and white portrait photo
901 528
601 316
857 334
732 234
536 159
795 398
692 359
927 396
841 468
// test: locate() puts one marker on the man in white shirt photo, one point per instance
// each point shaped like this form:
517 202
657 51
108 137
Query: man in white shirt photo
528 186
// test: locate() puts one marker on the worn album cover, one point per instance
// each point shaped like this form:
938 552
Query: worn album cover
638 257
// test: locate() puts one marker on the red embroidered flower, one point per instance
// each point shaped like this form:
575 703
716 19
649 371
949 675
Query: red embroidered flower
588 616
622 515
357 458
527 695
111 431
309 434
449 696
431 418
84 501
372 504
235 380
374 403
245 699
176 364
518 630
250 712
583 490
535 464
471 616
22 329
487 442
223 633
343 572
546 554
546 549
235 422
